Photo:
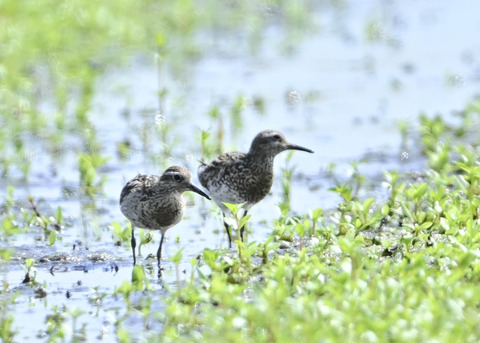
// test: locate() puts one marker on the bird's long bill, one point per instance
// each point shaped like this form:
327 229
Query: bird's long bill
298 147
197 190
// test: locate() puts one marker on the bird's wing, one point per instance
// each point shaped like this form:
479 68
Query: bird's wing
229 157
140 183
215 170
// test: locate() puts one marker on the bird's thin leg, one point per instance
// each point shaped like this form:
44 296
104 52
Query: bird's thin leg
159 255
134 245
242 229
227 228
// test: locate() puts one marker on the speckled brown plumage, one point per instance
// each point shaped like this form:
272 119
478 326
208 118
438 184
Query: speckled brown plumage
237 178
156 202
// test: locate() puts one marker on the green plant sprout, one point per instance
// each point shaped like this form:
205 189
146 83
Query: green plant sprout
29 268
217 148
209 148
56 324
145 238
163 129
78 334
7 331
50 234
287 173
120 234
315 216
284 227
236 113
266 248
403 127
90 181
236 221
176 259
138 282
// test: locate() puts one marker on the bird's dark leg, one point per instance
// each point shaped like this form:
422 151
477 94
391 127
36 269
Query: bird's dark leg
242 229
159 255
134 245
227 228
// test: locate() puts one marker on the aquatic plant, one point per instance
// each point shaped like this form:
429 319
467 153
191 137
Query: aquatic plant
145 238
176 259
287 175
236 111
121 235
29 268
90 181
237 219
7 301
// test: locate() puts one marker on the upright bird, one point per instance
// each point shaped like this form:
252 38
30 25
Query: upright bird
237 177
156 202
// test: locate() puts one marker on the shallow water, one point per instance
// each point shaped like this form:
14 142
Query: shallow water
333 91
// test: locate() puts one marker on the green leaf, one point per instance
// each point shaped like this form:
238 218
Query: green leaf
9 227
6 254
214 114
316 214
385 210
138 277
29 262
244 220
234 208
392 177
358 223
177 258
406 211
148 238
123 336
160 39
59 215
344 191
126 287
421 190
300 229
209 256
116 226
269 239
52 237
425 225
367 204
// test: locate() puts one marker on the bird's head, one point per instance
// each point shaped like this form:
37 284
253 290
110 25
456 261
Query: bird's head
272 143
180 179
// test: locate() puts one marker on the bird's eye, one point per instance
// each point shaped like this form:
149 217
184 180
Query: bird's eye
276 137
177 177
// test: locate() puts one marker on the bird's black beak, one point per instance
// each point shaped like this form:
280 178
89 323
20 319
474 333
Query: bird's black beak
197 190
298 147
